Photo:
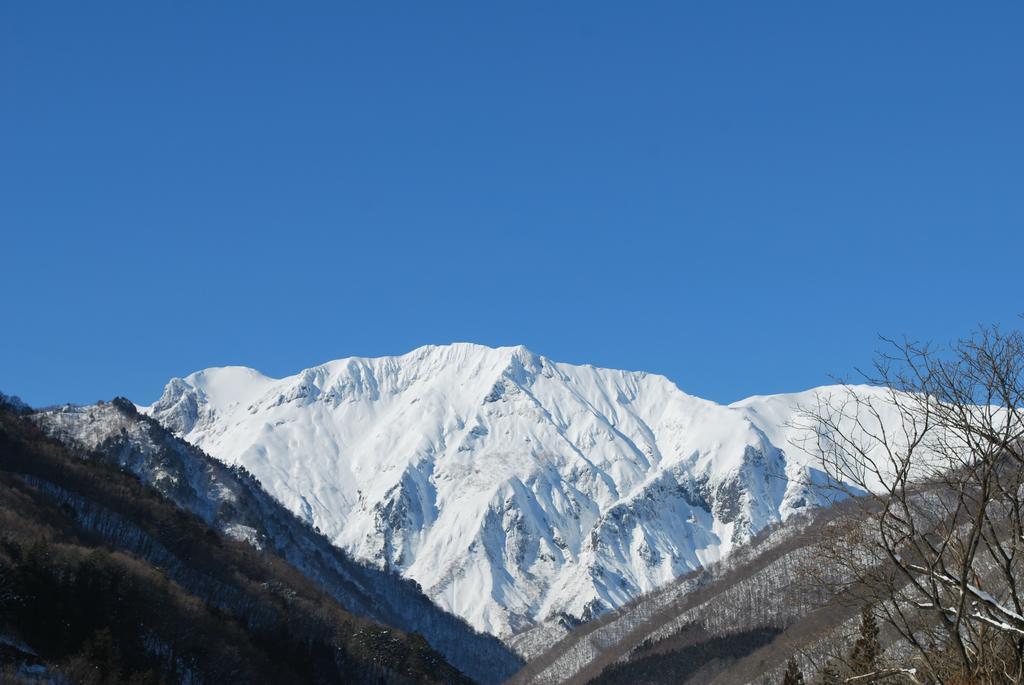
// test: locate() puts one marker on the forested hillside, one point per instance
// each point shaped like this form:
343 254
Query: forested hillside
233 502
102 580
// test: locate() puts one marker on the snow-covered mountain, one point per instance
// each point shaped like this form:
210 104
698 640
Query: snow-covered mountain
512 488
233 502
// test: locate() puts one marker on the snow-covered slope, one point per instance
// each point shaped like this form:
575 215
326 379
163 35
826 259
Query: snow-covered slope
514 489
232 501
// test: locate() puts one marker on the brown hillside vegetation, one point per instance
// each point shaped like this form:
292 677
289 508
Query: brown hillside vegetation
102 581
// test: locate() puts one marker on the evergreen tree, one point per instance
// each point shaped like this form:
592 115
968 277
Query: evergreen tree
866 650
793 675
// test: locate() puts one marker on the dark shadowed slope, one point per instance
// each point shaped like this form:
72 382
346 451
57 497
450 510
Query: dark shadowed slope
233 502
104 580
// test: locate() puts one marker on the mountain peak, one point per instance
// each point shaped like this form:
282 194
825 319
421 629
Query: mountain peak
533 487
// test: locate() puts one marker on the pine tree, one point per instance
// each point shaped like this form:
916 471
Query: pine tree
793 675
865 652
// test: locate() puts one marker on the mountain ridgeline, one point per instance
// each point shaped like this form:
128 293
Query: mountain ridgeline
456 513
232 502
516 491
104 579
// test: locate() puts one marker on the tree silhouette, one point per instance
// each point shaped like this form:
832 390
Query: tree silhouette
793 675
865 652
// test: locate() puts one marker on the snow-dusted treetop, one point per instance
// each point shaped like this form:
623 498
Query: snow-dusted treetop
513 488
13 401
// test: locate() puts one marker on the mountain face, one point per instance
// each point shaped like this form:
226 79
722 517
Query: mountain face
700 627
514 489
232 501
104 580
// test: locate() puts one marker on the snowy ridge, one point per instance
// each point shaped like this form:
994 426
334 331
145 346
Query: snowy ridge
512 488
233 502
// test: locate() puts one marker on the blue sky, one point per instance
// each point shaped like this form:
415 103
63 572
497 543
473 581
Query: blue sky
740 196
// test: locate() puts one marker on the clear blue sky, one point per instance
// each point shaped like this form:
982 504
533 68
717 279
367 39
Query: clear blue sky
741 196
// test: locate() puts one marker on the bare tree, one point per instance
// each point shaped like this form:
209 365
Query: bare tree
934 538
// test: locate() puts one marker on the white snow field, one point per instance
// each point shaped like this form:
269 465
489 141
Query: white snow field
512 488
